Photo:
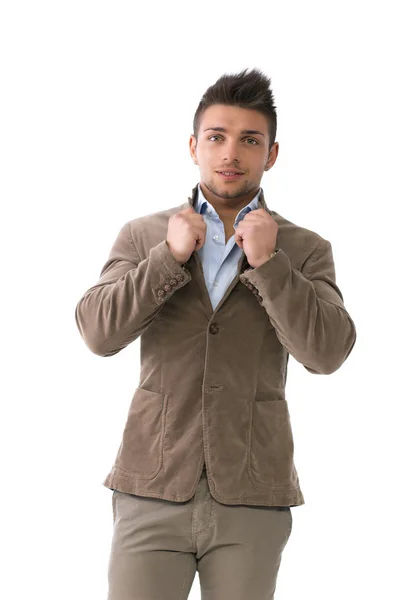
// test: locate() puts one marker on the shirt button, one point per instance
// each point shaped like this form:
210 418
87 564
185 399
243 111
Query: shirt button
215 237
208 211
215 283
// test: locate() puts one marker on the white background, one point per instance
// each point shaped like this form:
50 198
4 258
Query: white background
97 102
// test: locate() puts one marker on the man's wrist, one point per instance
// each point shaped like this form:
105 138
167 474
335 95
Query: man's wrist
261 262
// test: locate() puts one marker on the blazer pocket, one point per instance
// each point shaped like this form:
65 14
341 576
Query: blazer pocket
271 446
140 452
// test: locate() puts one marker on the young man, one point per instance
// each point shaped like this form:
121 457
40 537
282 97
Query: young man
221 290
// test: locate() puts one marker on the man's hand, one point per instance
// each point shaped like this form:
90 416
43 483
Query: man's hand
186 233
256 234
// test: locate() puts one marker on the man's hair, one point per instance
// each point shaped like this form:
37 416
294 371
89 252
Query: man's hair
249 90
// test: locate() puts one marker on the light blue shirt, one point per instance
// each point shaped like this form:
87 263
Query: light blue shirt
219 260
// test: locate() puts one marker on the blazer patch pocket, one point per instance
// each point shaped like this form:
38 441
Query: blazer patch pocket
271 444
140 452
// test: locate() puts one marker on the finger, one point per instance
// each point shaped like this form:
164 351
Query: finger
200 233
238 240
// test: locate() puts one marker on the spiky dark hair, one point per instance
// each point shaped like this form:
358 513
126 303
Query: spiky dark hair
245 90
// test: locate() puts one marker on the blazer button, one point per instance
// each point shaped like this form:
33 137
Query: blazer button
213 328
173 282
167 288
179 277
161 293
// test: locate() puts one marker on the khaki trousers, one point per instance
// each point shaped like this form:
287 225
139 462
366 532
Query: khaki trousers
158 545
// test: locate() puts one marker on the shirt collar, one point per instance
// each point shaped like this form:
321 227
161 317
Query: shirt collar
201 205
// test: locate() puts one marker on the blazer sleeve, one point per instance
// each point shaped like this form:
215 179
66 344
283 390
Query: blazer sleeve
306 308
128 295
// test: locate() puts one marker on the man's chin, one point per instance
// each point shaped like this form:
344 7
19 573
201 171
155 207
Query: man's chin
230 189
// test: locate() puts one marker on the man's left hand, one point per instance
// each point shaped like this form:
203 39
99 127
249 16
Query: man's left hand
256 234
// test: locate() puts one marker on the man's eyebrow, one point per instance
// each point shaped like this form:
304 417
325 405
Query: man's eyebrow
244 130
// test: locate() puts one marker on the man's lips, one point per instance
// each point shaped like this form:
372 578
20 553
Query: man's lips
232 176
230 171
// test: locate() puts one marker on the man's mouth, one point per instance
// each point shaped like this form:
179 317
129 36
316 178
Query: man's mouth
228 175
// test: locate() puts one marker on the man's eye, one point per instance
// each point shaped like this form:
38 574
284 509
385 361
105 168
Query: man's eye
217 136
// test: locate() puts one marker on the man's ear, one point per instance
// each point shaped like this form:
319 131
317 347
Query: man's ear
194 148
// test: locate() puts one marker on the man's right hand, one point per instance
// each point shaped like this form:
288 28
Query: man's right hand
186 233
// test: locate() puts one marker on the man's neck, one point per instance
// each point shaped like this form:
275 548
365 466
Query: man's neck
227 208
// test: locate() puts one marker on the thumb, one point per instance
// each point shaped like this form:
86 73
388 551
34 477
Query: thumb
238 240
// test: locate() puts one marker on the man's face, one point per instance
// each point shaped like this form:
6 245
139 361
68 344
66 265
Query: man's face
218 150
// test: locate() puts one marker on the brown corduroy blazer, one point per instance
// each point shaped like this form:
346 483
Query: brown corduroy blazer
212 382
